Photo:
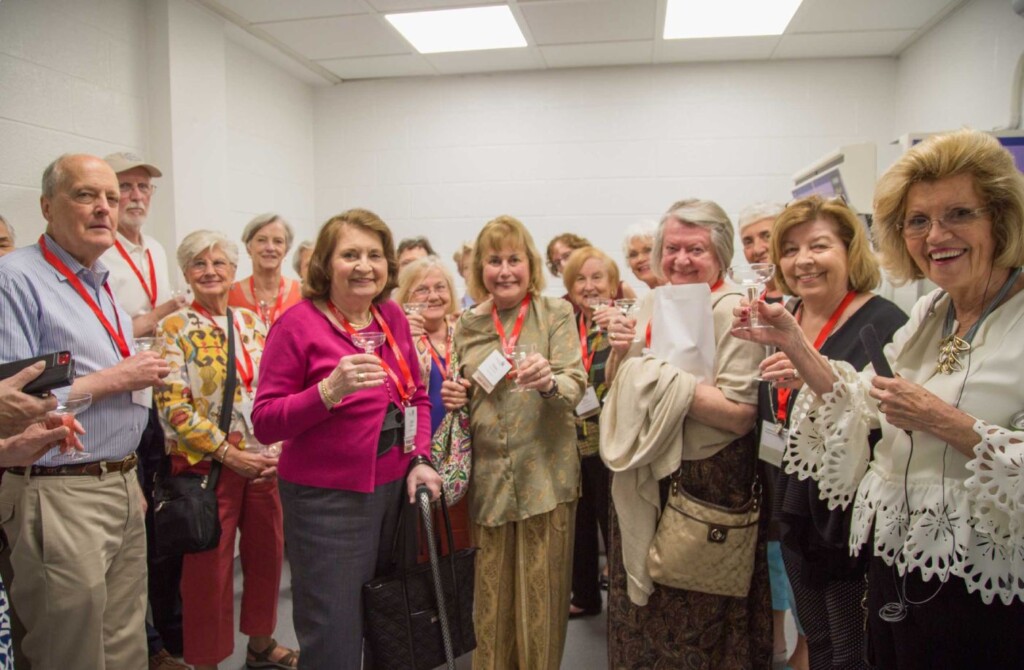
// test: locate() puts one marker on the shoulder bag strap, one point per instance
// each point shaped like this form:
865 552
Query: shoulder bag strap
230 382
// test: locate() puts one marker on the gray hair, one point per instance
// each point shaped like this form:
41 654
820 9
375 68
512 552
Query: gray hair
54 175
10 229
702 214
415 271
199 241
643 230
262 220
297 256
758 212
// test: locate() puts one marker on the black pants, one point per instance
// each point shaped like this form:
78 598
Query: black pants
591 513
164 571
953 629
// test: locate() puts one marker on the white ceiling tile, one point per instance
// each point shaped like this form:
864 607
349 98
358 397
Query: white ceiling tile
708 49
379 66
494 60
841 45
340 37
605 53
258 11
844 15
574 21
416 5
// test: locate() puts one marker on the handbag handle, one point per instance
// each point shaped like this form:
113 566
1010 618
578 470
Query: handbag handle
228 403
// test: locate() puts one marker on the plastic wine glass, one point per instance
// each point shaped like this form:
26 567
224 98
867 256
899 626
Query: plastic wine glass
147 344
368 342
597 304
752 277
75 403
411 308
628 307
518 355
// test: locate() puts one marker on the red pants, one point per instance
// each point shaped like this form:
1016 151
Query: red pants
207 578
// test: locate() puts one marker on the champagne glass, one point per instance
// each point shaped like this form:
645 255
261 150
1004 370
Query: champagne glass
627 306
752 277
147 344
182 296
518 355
368 342
272 450
597 304
411 308
75 403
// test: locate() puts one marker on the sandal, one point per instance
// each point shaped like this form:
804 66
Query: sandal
261 659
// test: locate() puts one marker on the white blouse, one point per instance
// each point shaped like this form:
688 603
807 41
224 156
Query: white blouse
966 516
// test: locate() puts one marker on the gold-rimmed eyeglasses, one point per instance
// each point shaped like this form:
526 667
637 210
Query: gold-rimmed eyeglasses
956 217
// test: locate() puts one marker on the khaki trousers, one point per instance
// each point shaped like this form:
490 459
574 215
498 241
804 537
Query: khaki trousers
522 585
78 552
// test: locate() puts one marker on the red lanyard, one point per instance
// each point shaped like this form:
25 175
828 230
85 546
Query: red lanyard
404 390
647 338
508 344
116 335
782 394
151 289
247 373
446 363
588 358
272 317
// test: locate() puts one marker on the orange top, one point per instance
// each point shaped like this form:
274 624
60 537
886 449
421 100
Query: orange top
241 295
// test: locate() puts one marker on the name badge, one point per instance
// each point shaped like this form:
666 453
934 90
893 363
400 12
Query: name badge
411 419
589 405
491 371
143 397
244 409
773 443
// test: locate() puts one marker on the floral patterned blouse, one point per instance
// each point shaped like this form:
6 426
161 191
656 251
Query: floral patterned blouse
191 398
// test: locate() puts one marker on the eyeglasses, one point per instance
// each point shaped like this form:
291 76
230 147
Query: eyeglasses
144 189
956 217
201 265
423 292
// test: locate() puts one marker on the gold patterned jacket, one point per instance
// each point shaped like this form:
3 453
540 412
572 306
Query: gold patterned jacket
190 400
525 461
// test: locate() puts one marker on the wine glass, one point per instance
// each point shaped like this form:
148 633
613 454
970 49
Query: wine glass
411 308
272 450
752 277
628 307
146 344
518 355
182 296
368 342
75 403
596 304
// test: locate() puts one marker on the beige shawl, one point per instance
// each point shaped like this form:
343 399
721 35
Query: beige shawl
641 442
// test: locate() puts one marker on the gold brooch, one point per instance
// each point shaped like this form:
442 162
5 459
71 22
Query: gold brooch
950 349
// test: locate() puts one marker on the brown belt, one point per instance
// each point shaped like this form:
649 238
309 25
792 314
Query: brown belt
96 469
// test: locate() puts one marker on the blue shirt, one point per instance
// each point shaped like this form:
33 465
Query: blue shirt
41 313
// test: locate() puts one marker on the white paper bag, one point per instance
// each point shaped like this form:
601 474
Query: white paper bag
682 329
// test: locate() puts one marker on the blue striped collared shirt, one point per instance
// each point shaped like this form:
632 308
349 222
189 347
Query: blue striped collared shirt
41 313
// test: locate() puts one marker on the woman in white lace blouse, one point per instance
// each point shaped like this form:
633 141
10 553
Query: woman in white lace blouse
939 504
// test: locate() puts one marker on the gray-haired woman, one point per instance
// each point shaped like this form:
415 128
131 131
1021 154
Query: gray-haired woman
266 291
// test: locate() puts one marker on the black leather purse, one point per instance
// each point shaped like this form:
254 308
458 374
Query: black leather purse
185 519
421 617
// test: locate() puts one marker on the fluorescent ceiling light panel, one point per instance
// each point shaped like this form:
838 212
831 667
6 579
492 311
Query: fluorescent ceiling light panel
470 29
727 18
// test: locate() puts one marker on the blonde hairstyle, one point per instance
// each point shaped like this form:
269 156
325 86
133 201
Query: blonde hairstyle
570 240
698 213
460 254
263 220
997 182
199 241
505 231
581 256
318 277
413 274
305 245
863 266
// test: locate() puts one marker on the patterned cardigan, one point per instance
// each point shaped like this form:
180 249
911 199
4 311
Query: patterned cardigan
190 400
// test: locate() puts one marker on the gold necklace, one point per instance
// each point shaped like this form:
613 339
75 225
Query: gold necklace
952 346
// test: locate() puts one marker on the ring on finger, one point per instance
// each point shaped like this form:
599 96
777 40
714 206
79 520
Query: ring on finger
796 374
359 377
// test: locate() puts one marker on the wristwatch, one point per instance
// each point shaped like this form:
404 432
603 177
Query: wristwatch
551 391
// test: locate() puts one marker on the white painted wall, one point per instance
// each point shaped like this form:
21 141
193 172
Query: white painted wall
588 151
72 79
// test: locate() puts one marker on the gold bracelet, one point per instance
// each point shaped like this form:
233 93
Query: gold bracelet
325 395
222 451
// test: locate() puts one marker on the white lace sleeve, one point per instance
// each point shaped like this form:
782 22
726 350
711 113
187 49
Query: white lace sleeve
828 437
997 485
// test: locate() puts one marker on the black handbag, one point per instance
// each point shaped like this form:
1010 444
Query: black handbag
421 616
185 519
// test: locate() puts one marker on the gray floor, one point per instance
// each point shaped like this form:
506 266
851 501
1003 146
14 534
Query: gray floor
585 647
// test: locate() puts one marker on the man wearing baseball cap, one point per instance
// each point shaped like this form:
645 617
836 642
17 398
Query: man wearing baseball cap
140 280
